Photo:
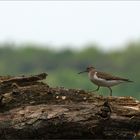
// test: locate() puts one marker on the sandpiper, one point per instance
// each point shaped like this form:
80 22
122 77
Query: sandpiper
102 79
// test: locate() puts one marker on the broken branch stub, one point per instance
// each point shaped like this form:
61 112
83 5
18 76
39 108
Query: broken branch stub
9 82
21 79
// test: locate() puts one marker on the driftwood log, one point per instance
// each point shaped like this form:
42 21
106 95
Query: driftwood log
30 109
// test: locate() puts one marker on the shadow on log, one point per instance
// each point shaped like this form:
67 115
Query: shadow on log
30 109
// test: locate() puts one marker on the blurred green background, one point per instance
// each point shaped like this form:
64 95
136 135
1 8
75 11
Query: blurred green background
62 66
63 25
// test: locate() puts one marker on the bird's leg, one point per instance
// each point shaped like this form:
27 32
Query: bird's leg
95 89
110 91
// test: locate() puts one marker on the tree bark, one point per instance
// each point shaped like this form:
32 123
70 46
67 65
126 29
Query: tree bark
37 111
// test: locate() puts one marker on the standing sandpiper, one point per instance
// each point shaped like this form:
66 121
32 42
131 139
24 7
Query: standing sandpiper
103 79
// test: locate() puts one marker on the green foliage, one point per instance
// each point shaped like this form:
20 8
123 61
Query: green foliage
63 66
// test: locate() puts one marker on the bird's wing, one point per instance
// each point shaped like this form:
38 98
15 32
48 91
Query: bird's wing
110 77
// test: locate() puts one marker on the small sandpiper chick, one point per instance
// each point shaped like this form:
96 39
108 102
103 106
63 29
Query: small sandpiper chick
102 79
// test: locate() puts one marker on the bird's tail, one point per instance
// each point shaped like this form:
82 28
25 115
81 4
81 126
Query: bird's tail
127 80
130 81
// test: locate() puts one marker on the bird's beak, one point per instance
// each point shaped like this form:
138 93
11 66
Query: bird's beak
82 72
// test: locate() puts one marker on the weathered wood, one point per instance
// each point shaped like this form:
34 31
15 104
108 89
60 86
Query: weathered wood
41 112
7 82
21 79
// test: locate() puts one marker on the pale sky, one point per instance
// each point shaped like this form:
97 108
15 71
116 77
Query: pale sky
75 23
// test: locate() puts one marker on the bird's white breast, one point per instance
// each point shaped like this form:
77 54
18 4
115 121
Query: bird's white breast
103 82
